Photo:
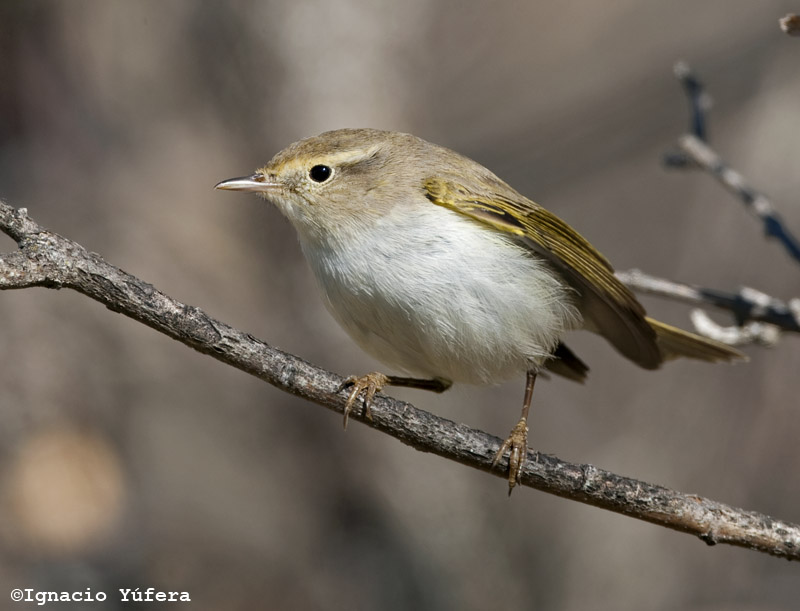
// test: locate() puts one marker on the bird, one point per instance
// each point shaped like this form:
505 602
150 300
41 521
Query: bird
440 269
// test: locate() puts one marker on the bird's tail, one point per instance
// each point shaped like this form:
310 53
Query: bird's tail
674 343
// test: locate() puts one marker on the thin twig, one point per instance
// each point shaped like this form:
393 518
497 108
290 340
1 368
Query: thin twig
695 152
735 335
748 305
48 259
756 203
700 102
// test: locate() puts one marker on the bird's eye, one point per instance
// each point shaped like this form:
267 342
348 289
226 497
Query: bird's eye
320 173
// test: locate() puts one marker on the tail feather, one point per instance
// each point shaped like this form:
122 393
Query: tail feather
567 364
674 343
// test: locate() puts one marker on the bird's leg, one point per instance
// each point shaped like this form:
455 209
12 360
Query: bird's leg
374 382
517 441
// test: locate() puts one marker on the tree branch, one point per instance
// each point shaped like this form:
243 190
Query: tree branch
50 260
759 317
746 305
695 152
756 203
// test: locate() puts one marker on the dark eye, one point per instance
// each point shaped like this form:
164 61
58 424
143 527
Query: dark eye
320 173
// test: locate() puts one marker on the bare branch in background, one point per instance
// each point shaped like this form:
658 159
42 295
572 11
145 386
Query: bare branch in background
790 24
760 318
695 152
50 260
735 335
756 203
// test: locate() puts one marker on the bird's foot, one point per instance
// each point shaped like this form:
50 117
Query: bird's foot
368 384
517 445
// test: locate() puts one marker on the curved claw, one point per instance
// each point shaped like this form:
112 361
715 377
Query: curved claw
368 384
517 444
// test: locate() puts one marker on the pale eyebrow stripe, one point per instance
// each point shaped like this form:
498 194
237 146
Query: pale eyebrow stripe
340 158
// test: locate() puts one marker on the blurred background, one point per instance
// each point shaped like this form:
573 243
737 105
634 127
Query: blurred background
128 460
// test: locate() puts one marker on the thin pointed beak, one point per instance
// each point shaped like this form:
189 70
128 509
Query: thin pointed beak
257 183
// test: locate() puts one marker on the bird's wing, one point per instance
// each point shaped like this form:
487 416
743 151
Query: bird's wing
607 305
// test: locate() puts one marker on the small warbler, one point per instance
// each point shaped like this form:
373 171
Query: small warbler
440 269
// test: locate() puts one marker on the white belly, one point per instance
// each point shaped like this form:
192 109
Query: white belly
463 303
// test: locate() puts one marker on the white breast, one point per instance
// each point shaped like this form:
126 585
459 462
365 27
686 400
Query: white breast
443 296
